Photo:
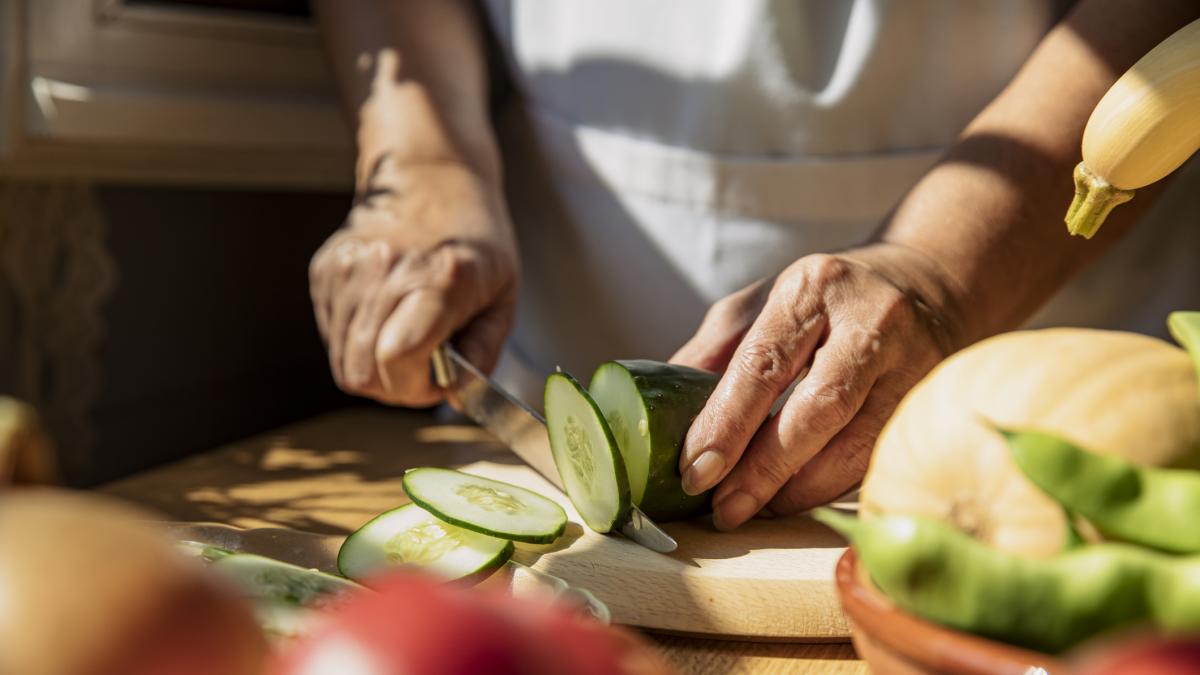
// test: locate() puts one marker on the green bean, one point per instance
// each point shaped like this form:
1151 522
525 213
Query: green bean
1153 507
941 574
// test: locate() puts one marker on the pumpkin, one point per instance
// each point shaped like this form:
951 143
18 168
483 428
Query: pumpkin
1111 392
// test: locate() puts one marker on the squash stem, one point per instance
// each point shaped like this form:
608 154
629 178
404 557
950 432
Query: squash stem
1094 199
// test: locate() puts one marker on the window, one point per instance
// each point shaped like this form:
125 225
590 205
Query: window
226 91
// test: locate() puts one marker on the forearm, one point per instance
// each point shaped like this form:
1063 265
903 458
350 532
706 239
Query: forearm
989 216
414 78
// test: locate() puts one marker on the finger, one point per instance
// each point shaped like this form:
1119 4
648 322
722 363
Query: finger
768 360
481 340
320 283
843 462
344 298
406 343
711 347
379 293
316 293
723 327
824 402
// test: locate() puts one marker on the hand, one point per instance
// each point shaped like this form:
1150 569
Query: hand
428 254
856 328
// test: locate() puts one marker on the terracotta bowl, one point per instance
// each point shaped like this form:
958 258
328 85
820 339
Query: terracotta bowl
894 641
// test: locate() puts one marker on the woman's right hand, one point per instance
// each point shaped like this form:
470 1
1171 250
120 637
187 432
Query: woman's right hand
425 255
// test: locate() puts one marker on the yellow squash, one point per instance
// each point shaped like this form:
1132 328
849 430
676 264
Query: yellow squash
1111 392
1143 129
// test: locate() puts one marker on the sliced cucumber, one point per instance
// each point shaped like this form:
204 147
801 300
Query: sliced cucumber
264 578
412 536
205 552
486 506
586 455
649 406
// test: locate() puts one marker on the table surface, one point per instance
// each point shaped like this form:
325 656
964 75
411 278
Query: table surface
329 474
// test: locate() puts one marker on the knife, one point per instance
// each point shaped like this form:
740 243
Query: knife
523 430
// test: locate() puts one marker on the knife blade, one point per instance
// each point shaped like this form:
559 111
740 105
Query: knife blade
523 430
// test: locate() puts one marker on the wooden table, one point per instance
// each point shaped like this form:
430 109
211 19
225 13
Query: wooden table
331 473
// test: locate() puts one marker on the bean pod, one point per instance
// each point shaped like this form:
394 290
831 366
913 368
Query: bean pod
939 573
1141 505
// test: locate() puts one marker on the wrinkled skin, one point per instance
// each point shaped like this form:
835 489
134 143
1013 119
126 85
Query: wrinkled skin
427 254
857 329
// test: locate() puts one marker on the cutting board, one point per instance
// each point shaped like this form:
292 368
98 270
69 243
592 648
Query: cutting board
767 580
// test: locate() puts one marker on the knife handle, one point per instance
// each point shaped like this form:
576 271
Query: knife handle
444 374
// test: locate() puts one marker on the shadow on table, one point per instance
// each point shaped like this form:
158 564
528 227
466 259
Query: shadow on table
326 475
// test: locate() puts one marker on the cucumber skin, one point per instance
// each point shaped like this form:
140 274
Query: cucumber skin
311 584
526 539
624 500
673 395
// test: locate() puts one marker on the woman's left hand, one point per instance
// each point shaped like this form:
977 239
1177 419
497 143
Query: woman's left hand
860 329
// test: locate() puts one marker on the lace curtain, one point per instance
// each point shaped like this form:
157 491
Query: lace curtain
55 275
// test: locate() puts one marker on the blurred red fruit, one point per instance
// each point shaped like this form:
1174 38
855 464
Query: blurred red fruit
415 625
1145 656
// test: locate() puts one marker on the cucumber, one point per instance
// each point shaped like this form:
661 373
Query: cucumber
486 506
205 552
649 406
586 455
410 535
267 579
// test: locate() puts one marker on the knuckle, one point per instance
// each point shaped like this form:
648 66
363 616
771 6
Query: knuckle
830 407
824 269
770 470
862 346
453 268
855 453
389 351
767 364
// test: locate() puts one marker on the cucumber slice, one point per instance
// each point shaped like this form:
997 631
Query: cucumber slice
205 552
411 535
486 506
264 578
586 455
649 406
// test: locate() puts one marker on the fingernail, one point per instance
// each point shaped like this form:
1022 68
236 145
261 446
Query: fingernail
734 510
704 472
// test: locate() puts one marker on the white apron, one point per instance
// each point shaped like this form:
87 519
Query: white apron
660 155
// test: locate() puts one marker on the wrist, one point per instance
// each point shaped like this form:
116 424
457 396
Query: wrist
430 201
410 133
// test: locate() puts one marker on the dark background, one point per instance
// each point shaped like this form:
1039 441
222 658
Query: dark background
210 334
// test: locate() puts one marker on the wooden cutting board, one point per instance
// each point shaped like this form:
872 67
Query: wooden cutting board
769 580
